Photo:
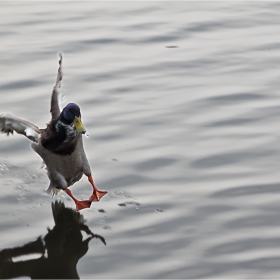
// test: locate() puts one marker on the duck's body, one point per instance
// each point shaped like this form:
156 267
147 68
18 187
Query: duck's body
60 146
58 165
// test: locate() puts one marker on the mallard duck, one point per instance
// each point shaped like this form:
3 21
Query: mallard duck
60 145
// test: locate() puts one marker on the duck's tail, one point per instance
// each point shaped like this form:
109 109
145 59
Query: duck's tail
52 190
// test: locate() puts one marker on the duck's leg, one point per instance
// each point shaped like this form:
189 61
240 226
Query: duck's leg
80 204
96 195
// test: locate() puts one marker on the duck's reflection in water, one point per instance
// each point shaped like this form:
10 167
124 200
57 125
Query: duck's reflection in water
61 249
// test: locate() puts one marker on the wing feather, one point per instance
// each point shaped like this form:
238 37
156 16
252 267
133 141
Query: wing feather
9 124
55 100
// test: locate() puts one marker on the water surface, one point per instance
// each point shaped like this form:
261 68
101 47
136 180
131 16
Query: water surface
181 102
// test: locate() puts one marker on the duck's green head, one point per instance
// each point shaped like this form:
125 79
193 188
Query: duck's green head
72 114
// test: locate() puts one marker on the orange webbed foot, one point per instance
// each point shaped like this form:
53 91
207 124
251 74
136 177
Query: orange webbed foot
80 204
97 194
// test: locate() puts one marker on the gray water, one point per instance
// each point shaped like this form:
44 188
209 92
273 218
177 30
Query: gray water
181 102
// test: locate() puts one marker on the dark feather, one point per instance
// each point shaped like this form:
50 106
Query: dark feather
60 138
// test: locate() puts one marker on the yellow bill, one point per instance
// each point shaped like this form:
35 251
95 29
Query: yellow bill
79 125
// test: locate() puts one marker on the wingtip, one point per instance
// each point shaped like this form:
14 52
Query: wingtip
60 58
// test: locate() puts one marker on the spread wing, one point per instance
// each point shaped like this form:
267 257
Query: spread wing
56 95
9 124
